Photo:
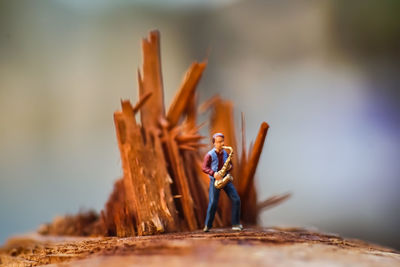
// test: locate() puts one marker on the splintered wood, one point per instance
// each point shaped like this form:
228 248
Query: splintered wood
163 188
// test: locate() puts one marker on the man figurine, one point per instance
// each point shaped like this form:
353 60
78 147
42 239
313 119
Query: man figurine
213 162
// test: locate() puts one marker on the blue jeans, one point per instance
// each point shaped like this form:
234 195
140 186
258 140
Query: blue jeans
213 195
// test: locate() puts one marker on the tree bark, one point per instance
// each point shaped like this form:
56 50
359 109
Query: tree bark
251 247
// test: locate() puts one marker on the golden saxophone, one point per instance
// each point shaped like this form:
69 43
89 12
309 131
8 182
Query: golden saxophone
219 184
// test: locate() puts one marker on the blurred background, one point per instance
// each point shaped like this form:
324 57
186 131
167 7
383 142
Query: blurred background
324 75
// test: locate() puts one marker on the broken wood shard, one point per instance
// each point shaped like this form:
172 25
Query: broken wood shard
185 93
254 157
151 81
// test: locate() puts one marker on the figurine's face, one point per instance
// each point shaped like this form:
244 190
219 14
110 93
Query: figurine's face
219 143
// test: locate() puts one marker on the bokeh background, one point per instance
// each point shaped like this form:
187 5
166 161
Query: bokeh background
324 74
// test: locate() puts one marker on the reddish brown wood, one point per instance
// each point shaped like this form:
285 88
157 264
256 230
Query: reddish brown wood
248 178
178 172
272 201
163 188
151 81
145 179
141 102
185 93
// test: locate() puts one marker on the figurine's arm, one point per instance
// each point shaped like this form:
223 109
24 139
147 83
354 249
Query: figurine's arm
206 167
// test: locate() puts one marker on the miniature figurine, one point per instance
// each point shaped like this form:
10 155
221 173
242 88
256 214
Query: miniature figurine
217 164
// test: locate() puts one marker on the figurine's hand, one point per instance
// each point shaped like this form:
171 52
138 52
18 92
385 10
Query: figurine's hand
217 176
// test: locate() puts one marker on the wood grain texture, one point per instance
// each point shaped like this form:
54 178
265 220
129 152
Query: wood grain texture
251 247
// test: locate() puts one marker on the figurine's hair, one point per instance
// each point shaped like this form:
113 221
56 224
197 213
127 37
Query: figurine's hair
216 135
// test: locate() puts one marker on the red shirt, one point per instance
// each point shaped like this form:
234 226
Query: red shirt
206 167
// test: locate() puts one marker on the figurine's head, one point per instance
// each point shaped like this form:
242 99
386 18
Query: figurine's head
218 141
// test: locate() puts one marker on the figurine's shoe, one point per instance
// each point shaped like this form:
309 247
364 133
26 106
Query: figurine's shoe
238 227
206 229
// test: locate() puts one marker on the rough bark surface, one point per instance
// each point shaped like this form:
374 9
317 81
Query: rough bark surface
251 247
